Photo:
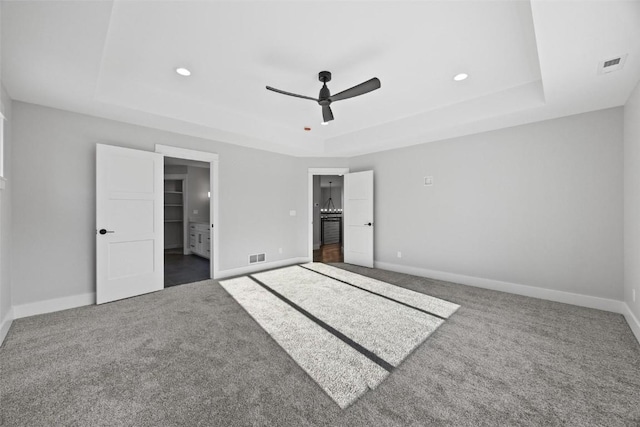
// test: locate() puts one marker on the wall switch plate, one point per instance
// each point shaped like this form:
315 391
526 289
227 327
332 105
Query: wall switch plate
292 213
428 181
279 250
195 211
399 254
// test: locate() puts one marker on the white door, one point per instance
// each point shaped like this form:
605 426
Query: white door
129 223
358 218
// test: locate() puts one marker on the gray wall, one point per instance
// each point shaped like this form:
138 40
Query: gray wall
632 200
5 214
336 197
198 186
538 205
175 170
54 198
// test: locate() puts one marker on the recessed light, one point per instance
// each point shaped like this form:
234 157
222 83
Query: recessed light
183 71
324 123
460 77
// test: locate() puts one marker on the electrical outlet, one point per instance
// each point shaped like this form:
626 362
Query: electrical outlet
195 211
399 254
292 213
428 181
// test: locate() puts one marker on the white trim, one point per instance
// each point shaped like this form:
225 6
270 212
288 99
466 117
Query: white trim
328 171
214 211
599 303
184 153
240 271
214 216
51 305
5 325
2 154
312 172
632 320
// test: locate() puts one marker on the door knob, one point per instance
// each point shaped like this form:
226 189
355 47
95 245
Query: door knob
103 231
369 224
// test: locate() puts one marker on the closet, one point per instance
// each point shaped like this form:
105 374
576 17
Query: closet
174 204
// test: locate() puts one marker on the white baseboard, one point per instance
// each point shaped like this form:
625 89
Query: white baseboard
5 325
223 274
633 321
57 304
51 305
599 303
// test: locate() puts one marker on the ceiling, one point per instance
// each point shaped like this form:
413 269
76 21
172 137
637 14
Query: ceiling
527 61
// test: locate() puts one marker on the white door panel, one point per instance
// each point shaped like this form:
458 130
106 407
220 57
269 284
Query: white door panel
358 218
129 192
129 259
130 174
132 216
359 212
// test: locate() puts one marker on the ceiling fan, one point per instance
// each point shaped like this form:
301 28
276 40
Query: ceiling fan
325 98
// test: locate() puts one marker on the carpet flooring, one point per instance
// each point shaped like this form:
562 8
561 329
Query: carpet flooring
370 324
191 356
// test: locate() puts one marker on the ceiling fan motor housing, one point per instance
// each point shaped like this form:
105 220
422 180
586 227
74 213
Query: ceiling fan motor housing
323 98
324 76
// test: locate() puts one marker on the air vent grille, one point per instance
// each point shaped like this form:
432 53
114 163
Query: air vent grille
256 258
612 64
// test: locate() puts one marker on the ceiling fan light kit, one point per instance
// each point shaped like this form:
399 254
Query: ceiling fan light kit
325 98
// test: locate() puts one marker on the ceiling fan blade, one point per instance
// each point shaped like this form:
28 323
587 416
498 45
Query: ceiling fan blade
327 115
360 89
291 94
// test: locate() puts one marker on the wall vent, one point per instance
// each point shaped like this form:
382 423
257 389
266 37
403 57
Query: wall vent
253 259
612 64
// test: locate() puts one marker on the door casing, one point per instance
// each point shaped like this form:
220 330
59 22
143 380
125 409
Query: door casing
214 206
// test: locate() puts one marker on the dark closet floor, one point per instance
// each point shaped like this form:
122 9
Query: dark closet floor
180 269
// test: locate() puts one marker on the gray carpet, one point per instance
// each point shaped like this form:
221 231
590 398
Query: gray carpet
190 355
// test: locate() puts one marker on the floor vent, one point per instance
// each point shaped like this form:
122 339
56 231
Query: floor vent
253 259
612 64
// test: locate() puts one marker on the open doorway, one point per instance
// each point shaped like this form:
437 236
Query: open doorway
187 236
328 227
